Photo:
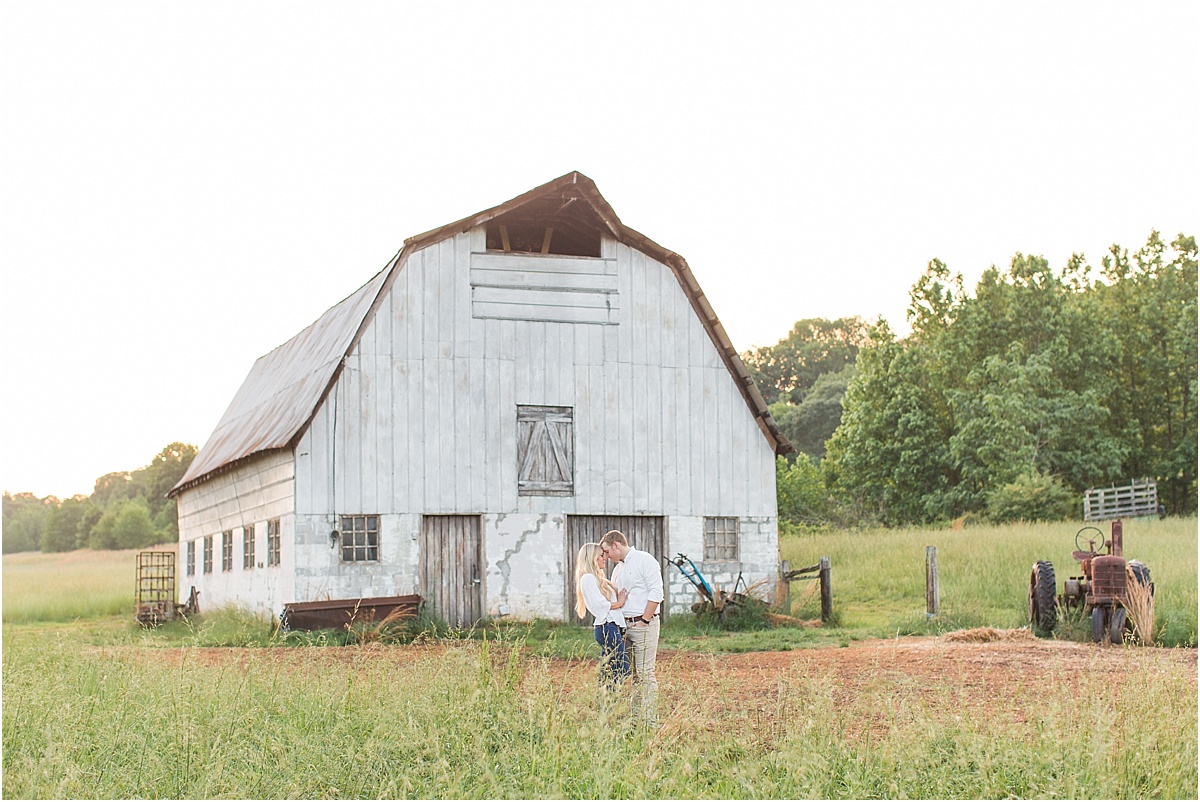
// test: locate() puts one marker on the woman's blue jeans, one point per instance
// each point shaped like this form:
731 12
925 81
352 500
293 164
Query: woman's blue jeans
614 661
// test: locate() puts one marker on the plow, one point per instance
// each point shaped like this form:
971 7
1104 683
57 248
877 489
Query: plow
727 606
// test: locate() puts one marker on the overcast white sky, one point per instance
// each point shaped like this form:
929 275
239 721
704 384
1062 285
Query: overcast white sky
186 186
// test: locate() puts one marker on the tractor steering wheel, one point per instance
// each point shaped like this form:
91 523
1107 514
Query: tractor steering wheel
1079 534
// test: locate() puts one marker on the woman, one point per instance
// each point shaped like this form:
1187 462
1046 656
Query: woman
596 595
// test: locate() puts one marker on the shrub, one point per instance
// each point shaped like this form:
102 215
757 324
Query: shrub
1031 497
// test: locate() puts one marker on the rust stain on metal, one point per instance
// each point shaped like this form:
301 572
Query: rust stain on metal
341 613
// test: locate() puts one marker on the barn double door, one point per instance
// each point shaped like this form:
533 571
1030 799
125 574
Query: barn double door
452 567
645 532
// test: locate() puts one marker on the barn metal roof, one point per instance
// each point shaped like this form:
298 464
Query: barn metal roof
283 390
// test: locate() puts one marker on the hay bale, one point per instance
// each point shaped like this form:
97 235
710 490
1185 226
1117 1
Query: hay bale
988 634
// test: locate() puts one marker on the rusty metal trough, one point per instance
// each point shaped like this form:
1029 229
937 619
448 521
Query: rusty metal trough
342 613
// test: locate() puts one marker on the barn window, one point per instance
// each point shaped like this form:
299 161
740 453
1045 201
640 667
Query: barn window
248 547
191 558
227 550
545 451
273 541
360 538
208 554
720 539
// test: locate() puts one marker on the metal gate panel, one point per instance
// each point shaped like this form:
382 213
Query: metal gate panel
645 532
155 601
452 567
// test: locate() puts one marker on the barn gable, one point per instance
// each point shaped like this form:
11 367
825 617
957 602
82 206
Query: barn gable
566 217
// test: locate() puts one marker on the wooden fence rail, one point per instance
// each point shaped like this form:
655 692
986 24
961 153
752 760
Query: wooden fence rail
1140 497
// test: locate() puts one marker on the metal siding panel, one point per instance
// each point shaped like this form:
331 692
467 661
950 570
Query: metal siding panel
624 330
625 423
463 467
431 465
430 289
573 283
492 435
397 436
599 444
478 467
507 411
640 413
724 425
654 414
447 296
460 250
712 489
536 263
612 437
639 317
445 440
696 456
553 364
671 467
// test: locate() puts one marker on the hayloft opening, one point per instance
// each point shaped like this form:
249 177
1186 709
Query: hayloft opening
564 225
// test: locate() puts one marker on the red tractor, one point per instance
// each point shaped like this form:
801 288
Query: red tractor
1100 590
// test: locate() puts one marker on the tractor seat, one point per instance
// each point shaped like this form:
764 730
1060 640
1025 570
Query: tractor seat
1083 555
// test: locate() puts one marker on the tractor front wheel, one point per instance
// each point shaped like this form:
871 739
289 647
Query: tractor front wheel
1116 627
1043 604
1099 623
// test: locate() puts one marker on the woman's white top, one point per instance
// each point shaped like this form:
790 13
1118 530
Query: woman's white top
597 605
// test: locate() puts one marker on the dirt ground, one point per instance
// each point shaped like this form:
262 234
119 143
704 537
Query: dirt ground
997 673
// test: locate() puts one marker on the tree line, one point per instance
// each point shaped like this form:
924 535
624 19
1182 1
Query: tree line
1006 403
126 510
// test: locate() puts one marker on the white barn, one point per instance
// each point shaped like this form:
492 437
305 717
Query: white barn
510 386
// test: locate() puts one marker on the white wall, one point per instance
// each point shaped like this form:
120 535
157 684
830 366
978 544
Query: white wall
423 421
253 493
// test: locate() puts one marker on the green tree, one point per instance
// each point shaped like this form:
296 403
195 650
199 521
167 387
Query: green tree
890 454
59 531
24 516
787 370
132 527
809 425
1148 303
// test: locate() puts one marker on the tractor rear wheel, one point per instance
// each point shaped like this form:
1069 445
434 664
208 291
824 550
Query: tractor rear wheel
1099 623
1116 627
1141 574
1043 604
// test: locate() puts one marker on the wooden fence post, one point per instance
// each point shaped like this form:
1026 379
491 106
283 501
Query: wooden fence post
784 597
826 593
931 582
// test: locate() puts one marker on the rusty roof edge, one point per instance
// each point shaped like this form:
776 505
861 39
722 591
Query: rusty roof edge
385 286
224 468
291 444
467 223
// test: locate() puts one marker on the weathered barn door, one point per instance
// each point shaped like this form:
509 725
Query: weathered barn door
648 533
452 567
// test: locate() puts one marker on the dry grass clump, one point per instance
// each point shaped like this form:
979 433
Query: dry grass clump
988 634
1139 607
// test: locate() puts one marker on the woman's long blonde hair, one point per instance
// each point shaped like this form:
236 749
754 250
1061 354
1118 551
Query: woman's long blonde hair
585 563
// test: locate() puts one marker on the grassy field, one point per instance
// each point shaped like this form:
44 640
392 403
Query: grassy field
66 587
96 707
878 578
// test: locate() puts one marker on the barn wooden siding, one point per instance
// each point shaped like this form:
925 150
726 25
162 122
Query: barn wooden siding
423 417
252 493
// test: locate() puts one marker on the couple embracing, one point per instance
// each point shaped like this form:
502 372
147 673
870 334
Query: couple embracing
626 615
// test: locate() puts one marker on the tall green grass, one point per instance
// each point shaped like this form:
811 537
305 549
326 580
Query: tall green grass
878 577
64 587
488 720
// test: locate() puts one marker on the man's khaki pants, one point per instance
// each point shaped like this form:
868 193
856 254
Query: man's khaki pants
642 643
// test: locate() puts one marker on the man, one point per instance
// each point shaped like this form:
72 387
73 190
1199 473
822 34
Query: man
638 573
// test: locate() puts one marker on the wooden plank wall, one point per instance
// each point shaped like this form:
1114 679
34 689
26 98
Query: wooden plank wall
425 409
